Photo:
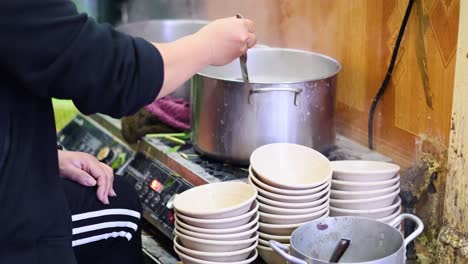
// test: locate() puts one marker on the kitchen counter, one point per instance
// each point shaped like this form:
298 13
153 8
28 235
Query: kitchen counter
156 245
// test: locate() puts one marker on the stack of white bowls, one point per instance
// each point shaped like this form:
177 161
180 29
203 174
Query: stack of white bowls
293 184
217 223
366 189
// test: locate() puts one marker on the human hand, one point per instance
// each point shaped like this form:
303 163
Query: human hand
227 39
88 171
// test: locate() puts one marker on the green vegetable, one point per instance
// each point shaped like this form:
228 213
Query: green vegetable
173 149
174 139
184 135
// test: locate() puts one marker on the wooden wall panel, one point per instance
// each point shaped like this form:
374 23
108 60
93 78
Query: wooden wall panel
352 90
361 34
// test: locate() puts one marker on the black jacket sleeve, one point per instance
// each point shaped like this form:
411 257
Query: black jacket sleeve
52 51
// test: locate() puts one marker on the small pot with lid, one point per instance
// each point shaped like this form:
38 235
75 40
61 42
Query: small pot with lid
372 242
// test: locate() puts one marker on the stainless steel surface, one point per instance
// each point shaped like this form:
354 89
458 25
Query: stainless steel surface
138 10
294 90
165 31
243 61
290 98
375 242
243 65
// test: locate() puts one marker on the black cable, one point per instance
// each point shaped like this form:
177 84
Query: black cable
389 74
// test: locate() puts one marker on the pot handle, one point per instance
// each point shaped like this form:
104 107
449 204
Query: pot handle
296 91
282 250
415 219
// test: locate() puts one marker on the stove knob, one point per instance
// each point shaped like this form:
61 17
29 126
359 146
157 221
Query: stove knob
170 202
138 186
150 195
156 199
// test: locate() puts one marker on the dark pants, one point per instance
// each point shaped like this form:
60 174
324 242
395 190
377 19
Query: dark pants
105 233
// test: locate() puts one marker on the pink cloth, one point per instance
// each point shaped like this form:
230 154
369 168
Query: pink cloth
174 112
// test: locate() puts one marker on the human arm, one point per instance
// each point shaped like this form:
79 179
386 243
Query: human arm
218 43
52 51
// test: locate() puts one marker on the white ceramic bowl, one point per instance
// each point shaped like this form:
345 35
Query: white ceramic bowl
389 218
220 222
228 237
291 198
282 230
231 256
364 186
352 195
291 219
269 256
268 237
215 245
282 211
266 187
284 205
263 242
191 260
374 213
290 166
220 231
366 204
363 170
216 200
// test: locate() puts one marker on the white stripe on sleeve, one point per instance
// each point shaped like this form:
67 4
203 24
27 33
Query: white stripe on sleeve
105 212
88 228
101 237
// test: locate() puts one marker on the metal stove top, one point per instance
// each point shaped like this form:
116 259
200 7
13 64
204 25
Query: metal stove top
199 170
190 165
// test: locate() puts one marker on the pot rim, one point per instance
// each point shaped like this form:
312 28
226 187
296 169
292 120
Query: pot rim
293 248
163 21
333 74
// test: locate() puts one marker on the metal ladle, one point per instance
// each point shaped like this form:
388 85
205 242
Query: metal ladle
243 60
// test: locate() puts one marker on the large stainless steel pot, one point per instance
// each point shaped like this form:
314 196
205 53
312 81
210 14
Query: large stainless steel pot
138 10
372 242
291 98
165 31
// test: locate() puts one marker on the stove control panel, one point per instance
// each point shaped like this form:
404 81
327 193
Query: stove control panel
86 135
157 186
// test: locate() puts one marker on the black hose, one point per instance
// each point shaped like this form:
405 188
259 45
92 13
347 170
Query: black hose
389 74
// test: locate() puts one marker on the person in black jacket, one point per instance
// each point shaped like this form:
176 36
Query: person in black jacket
49 50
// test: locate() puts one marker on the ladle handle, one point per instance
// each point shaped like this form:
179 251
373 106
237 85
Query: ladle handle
415 219
282 251
243 60
340 250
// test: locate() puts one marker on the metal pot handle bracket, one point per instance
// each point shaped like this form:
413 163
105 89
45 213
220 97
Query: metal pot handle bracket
415 219
282 250
296 91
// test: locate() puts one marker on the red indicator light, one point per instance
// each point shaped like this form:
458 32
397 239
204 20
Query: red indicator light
155 185
171 217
